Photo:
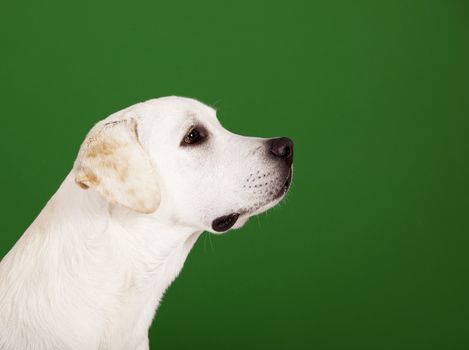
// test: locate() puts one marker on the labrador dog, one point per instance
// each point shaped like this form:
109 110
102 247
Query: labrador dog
90 271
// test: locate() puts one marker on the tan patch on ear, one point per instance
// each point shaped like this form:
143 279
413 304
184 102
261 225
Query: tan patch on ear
112 161
82 185
86 180
102 148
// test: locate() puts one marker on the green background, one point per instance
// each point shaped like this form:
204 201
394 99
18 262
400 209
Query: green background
369 250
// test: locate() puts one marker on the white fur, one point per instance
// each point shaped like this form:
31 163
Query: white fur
90 271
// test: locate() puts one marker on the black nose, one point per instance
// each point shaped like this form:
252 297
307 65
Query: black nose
282 147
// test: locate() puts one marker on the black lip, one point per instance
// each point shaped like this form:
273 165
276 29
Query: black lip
286 185
224 223
288 180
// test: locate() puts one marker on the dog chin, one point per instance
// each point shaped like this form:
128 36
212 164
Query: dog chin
246 214
268 206
238 218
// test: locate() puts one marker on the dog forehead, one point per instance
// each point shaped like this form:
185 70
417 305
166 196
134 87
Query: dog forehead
166 119
174 111
180 107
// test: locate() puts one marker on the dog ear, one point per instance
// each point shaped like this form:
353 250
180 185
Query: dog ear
112 161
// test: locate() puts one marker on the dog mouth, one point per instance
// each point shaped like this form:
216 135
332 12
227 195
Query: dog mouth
224 223
286 185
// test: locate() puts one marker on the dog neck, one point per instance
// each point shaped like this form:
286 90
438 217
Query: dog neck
115 265
147 239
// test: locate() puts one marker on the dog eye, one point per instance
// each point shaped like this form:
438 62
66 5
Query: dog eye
195 135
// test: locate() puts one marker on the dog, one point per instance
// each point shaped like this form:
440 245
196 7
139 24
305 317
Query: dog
90 271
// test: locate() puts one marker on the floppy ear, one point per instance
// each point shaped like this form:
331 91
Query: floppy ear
112 161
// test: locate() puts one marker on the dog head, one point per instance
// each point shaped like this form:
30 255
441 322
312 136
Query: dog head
172 156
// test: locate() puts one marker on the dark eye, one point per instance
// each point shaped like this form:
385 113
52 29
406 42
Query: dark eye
195 135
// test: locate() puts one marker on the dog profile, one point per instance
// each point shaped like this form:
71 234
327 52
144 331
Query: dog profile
90 271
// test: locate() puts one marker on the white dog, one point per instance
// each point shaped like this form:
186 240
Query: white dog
90 271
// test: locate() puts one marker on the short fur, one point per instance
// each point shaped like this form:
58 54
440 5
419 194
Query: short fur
90 271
